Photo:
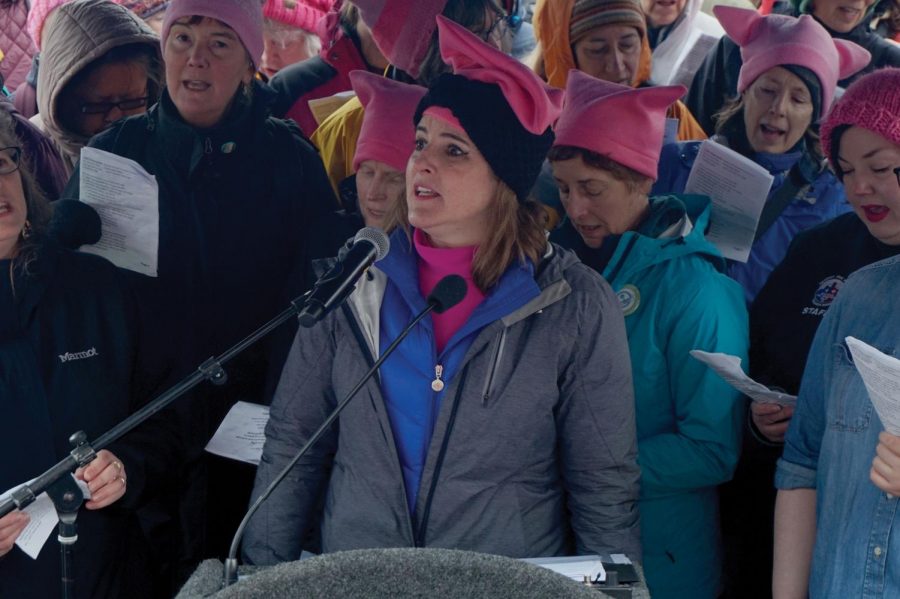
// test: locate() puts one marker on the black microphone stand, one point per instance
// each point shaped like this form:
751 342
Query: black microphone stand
231 564
62 488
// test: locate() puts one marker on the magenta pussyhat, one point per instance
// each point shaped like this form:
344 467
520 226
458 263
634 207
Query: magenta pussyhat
244 16
871 102
623 123
402 29
302 15
776 40
388 134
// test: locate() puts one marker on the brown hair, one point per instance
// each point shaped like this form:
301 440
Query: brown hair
632 179
517 233
468 13
36 205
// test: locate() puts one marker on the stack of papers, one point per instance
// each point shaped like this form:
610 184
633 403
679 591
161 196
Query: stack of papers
575 567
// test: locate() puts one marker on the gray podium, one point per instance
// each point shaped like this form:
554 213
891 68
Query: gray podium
394 573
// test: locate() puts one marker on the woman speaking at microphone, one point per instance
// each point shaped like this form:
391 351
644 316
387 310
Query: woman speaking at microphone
505 424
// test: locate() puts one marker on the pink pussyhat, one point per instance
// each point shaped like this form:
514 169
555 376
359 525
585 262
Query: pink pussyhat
622 123
302 15
775 40
243 16
388 134
402 29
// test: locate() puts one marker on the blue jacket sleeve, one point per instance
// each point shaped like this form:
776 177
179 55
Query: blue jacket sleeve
704 448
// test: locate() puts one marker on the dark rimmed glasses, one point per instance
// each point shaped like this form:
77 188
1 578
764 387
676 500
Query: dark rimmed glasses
9 159
105 107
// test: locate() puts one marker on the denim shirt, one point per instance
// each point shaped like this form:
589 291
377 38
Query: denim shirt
831 443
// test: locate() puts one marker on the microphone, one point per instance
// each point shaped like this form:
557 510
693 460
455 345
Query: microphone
74 224
332 288
448 292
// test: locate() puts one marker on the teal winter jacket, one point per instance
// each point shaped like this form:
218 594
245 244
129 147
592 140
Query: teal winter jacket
672 288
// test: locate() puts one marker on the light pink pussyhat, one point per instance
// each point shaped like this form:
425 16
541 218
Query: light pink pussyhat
402 29
297 13
388 134
776 40
243 16
37 16
624 124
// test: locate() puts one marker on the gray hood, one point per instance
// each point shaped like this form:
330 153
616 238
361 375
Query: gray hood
75 35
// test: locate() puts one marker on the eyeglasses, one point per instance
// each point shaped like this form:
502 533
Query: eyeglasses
105 107
9 159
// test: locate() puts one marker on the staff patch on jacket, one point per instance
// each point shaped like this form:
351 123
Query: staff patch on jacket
826 292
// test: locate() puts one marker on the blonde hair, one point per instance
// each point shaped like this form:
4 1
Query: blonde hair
517 233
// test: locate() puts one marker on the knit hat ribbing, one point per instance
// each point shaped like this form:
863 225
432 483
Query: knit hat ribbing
144 8
590 14
871 102
299 14
243 16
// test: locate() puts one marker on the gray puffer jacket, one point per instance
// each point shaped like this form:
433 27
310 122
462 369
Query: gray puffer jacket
543 465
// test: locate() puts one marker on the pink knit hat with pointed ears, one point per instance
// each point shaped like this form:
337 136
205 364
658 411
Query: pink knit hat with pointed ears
624 124
301 14
244 16
500 103
388 134
402 29
775 40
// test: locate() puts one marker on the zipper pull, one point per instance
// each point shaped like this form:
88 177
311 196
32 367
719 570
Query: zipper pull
437 384
207 148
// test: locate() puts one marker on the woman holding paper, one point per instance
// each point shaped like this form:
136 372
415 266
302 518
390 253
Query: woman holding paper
676 298
837 532
791 67
239 193
68 362
503 425
861 137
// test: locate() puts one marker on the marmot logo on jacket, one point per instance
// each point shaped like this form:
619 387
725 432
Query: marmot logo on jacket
69 356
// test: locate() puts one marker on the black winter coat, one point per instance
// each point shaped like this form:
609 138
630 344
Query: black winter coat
68 362
236 206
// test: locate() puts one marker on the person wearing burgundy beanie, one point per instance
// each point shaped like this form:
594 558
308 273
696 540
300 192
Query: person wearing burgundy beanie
347 45
503 425
675 296
861 137
289 32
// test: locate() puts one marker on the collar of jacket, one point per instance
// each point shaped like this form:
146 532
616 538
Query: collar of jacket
187 145
515 288
529 292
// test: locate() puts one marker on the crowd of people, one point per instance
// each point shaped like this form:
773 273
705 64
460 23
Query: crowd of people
541 151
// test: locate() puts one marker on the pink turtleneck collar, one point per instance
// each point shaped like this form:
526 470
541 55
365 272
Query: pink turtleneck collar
434 265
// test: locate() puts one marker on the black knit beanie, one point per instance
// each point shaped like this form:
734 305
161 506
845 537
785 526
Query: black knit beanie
514 153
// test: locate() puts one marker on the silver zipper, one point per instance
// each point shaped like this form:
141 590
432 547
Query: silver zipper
437 384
